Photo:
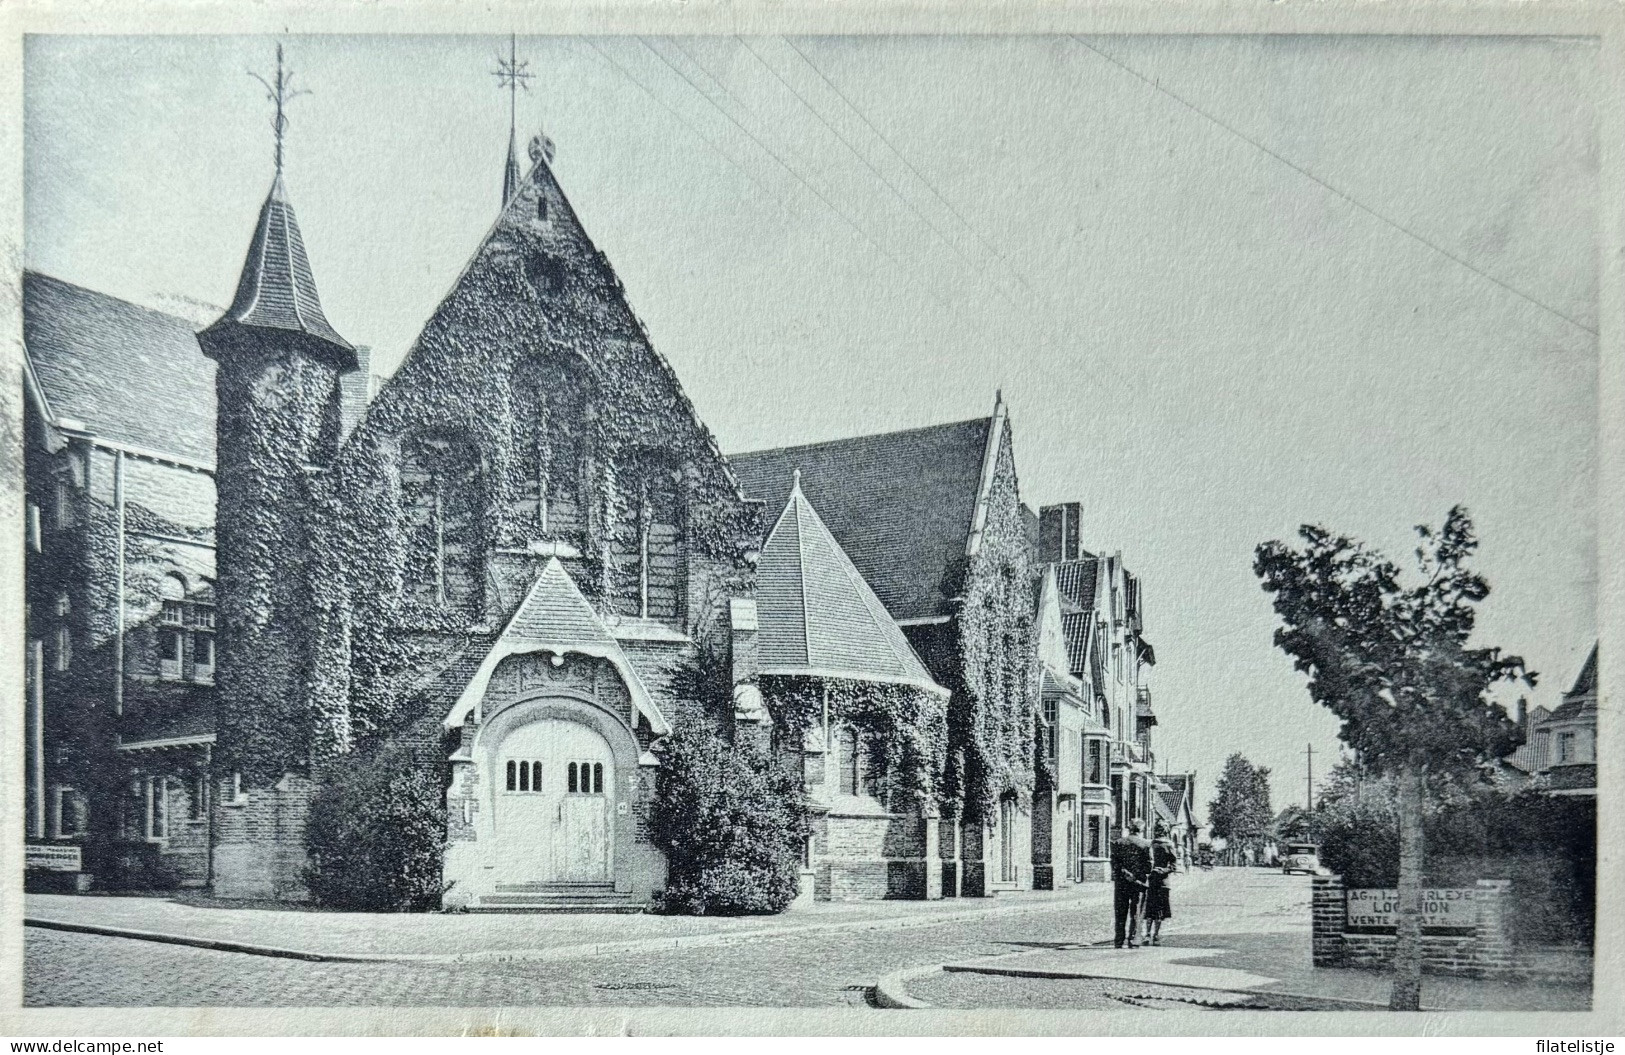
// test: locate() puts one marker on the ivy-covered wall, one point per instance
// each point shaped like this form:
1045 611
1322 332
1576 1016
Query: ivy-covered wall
993 676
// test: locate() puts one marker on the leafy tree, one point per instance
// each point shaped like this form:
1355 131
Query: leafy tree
376 832
1240 811
731 820
1390 657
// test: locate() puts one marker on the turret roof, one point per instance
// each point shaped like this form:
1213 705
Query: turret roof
277 290
817 615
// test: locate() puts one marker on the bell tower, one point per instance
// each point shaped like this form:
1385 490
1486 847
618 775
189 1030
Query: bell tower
279 362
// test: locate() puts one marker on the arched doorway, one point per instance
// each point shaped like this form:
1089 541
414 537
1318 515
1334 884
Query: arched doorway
554 782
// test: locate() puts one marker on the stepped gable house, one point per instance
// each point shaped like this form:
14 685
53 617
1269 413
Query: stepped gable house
931 519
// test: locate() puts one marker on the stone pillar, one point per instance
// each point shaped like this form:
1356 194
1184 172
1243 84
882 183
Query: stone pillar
1328 914
1494 955
948 849
930 821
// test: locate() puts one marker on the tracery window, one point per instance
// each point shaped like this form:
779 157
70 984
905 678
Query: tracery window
648 562
440 498
551 403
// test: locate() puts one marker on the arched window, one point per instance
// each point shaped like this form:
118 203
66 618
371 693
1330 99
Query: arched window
648 562
441 502
513 777
536 776
524 777
598 778
847 748
550 443
574 781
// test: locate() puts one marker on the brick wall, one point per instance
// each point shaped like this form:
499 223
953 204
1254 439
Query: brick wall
260 840
1488 952
872 856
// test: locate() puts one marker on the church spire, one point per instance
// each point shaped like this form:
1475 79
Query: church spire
277 289
512 75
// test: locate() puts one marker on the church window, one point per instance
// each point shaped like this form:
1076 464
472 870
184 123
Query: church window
536 776
573 782
440 492
550 416
647 549
597 778
198 801
851 765
524 777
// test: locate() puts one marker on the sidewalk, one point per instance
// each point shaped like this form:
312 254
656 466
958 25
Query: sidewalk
1252 968
274 929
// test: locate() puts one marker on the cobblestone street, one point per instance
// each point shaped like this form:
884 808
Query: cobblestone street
832 955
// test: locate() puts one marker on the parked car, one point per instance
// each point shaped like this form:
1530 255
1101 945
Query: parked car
1301 857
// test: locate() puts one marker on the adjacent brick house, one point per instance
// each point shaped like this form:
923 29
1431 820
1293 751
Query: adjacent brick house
1559 752
119 571
1102 619
931 519
828 644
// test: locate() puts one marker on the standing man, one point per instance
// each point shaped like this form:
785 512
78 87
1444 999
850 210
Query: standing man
1131 875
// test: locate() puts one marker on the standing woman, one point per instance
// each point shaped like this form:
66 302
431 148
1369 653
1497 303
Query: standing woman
1157 905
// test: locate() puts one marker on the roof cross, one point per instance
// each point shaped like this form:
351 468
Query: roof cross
281 92
512 75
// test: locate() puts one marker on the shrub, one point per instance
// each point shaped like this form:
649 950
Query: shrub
731 821
376 832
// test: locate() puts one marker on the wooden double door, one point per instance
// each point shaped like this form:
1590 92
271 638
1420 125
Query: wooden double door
555 823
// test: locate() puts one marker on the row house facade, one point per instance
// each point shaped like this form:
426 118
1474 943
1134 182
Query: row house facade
1103 622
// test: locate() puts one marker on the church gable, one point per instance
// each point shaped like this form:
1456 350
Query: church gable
533 420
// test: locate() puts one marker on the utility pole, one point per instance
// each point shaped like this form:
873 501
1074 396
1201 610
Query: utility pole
1309 783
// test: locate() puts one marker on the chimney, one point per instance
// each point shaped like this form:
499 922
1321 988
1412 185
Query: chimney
1520 714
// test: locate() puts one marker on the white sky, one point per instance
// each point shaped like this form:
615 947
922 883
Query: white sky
832 236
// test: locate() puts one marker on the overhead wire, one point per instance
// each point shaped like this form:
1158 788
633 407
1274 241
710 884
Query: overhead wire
1336 191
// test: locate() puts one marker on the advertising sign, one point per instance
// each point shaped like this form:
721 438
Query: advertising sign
1441 910
52 858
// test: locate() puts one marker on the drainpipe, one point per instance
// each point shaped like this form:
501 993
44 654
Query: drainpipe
118 589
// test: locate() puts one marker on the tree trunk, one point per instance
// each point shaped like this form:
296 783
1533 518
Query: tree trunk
1407 992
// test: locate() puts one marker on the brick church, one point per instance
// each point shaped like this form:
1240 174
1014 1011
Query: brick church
244 562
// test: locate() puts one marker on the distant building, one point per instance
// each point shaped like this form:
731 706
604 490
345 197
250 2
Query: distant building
1177 794
1559 752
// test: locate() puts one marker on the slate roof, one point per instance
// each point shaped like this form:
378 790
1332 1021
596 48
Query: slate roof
1075 582
555 617
130 374
1076 629
899 504
815 613
1170 803
277 289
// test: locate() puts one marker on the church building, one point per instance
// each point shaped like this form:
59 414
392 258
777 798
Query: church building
508 563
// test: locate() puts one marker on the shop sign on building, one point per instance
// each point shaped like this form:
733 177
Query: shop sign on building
1378 910
52 858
